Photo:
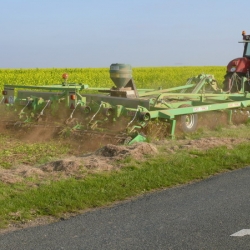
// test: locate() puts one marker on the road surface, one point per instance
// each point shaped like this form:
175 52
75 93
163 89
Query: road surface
202 215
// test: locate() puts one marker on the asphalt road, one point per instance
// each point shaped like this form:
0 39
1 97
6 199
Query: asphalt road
201 215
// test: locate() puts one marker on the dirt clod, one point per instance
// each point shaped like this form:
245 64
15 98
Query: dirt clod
104 159
137 151
65 165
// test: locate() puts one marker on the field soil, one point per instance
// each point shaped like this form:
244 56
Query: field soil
97 153
94 155
106 158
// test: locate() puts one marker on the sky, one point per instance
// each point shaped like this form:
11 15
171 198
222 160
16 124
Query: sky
143 33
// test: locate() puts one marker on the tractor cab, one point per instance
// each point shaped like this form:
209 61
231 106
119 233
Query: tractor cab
246 40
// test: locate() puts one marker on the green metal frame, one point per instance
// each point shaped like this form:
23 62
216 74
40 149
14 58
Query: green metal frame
200 94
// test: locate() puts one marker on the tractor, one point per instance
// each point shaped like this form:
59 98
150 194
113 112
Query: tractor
238 68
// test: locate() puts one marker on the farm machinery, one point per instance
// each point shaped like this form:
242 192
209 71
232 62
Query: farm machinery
122 112
238 68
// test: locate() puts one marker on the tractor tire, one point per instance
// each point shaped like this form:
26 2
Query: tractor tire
188 123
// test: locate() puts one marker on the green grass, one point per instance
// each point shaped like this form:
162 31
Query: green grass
15 152
20 202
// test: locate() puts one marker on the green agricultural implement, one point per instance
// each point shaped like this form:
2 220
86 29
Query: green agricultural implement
123 111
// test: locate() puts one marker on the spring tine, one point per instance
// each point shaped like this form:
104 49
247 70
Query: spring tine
24 107
133 117
41 113
71 115
96 113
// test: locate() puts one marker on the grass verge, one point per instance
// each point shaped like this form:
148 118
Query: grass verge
20 203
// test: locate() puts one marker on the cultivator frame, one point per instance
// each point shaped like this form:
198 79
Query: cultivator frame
183 104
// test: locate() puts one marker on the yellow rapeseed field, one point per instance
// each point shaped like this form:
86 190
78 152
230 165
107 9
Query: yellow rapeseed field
145 77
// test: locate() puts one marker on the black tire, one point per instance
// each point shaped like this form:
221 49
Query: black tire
188 123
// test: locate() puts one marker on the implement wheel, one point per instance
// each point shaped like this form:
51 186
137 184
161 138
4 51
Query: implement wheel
188 123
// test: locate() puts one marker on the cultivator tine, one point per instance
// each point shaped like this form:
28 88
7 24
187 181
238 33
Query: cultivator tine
137 110
69 120
48 102
2 100
21 112
71 115
96 113
41 113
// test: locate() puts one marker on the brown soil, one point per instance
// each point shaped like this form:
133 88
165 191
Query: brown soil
104 154
200 144
108 157
104 159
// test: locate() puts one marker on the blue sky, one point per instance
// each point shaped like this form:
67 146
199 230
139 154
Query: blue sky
95 33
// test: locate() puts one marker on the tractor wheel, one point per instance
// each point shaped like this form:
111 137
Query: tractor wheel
188 123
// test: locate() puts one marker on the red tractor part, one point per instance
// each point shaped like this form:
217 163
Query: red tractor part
238 68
